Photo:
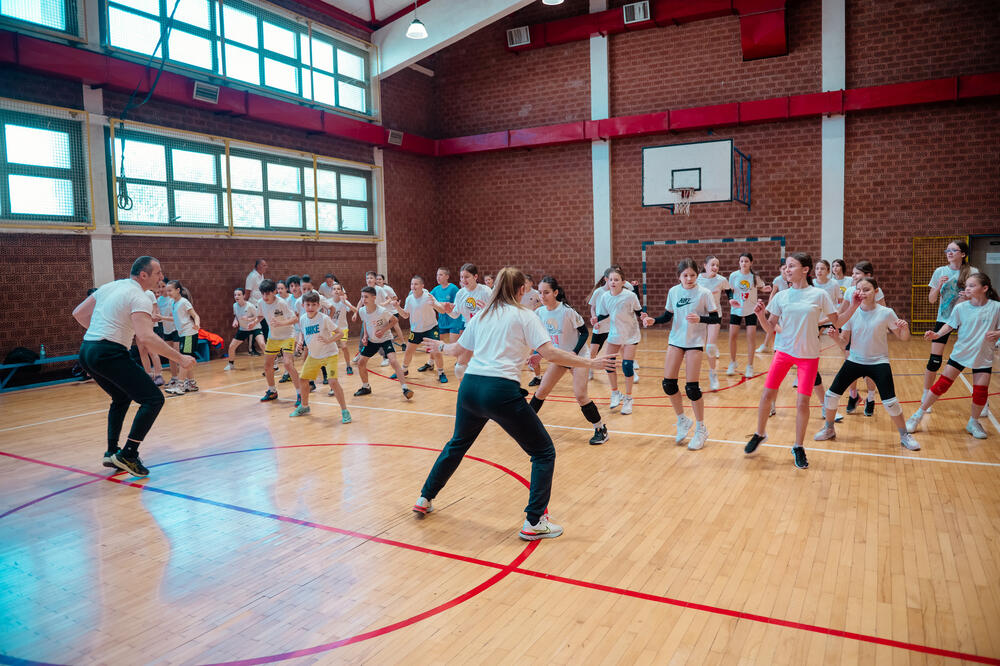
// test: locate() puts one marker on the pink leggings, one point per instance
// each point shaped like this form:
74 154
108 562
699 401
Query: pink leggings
782 363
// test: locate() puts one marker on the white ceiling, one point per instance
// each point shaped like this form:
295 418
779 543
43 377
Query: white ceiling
362 8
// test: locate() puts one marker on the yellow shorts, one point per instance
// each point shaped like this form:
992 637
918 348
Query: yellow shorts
312 365
275 346
347 333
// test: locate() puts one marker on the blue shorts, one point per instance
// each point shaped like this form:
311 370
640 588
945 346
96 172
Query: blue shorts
448 325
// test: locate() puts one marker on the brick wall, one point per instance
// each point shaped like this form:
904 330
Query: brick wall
408 102
414 239
43 277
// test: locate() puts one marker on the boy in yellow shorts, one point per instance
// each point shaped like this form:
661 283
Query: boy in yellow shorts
281 320
321 336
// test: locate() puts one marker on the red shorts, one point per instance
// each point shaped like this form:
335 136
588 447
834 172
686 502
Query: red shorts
782 363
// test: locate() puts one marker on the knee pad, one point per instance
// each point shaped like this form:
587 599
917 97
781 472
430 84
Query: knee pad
693 391
818 381
934 362
941 385
628 367
536 404
670 386
892 406
831 400
590 412
979 395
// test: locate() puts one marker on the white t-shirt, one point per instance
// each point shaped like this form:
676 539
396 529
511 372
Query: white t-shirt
715 285
389 294
849 294
338 312
245 314
531 300
501 340
325 290
112 317
376 320
561 323
972 349
948 296
779 284
744 286
683 302
166 306
313 328
279 309
253 286
799 313
470 303
423 316
621 309
869 334
844 282
832 287
604 325
183 319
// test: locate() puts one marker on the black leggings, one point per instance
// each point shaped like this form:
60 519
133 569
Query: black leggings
121 378
850 372
482 399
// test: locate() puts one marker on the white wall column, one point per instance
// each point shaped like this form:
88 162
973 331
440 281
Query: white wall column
833 131
600 151
378 177
101 256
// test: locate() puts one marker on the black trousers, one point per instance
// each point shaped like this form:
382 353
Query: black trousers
482 399
850 372
125 381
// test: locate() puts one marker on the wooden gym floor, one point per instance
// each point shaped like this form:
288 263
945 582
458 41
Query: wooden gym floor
260 538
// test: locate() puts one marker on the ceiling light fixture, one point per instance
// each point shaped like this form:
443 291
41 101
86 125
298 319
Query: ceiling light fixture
552 2
416 29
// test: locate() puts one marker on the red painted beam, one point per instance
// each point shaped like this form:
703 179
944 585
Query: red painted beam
978 85
477 143
676 12
705 117
548 135
649 123
763 110
801 106
901 94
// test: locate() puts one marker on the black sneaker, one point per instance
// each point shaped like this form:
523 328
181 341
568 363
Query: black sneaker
869 407
535 381
312 386
852 404
108 462
408 394
133 465
364 390
800 457
425 367
600 435
755 441
285 378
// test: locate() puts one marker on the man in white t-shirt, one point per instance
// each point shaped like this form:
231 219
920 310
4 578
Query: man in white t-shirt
113 315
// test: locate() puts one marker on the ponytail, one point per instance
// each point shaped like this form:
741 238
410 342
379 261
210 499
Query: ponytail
807 262
176 284
966 270
508 282
984 281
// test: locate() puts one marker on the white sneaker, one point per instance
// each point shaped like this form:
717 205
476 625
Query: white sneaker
731 370
422 507
712 350
698 441
384 362
986 411
229 366
684 425
795 382
616 399
713 381
825 433
773 410
909 442
635 377
749 373
543 529
974 428
762 349
913 423
627 405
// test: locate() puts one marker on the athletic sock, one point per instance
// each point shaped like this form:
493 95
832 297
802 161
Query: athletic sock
797 446
112 447
536 404
131 448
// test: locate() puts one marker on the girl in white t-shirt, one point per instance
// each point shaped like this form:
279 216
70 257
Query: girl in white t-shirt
861 269
744 285
795 314
495 345
187 322
867 329
977 321
620 306
246 321
825 282
568 332
840 276
692 308
947 289
470 300
716 284
779 283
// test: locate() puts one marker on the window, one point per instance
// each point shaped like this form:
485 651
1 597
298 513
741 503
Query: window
49 15
243 43
42 169
182 183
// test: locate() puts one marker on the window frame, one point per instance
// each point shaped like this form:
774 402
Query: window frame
78 158
75 29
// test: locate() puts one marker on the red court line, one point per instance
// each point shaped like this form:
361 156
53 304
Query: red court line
505 570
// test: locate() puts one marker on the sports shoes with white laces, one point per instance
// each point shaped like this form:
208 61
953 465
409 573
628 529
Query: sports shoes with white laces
749 373
974 428
627 405
908 441
300 410
913 423
762 349
384 362
616 399
684 425
543 529
713 380
698 440
635 377
600 435
229 366
732 369
422 507
827 432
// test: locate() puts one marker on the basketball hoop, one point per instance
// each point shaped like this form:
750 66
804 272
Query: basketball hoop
683 207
